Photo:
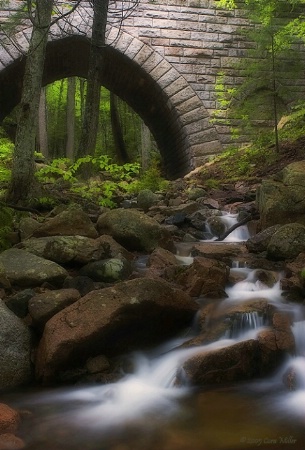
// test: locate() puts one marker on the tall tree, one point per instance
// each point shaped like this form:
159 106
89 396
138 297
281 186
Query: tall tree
265 69
90 121
71 90
23 162
42 125
117 132
39 12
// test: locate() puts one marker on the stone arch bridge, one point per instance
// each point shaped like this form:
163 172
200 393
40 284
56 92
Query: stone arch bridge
162 60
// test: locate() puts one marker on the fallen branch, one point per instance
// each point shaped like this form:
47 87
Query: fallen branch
233 227
19 208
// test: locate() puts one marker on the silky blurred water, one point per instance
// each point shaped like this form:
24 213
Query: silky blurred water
148 409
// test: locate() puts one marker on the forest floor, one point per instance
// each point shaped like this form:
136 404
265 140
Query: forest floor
248 166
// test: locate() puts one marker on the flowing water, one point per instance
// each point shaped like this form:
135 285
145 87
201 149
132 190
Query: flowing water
148 410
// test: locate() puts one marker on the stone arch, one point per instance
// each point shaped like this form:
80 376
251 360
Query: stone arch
140 76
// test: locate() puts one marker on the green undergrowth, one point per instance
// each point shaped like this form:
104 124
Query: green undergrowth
107 182
246 162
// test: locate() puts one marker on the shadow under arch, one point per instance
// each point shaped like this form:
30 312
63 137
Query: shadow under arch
69 56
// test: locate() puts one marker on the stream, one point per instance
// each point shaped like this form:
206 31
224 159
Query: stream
146 409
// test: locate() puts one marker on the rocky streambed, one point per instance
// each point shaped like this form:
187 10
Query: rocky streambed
81 292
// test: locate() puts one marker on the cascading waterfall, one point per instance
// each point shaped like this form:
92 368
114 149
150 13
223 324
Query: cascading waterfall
245 322
239 234
298 330
150 395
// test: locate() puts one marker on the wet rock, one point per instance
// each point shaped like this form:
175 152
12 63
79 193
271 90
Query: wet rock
216 322
204 277
82 283
146 199
98 364
266 279
27 226
198 219
9 441
287 242
177 219
9 419
45 305
24 269
211 203
129 315
283 334
226 252
290 379
159 261
195 193
19 302
134 230
216 226
74 249
15 350
293 283
281 199
108 270
259 242
71 222
237 362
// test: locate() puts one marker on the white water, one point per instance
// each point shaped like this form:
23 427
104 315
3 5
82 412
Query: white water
150 393
149 390
239 234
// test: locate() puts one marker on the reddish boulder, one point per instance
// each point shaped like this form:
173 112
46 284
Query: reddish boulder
9 419
130 315
205 277
9 441
236 362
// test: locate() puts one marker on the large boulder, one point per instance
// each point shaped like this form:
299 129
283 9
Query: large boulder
237 362
281 199
226 252
134 230
259 242
73 221
108 270
287 242
74 249
45 305
204 277
15 350
130 315
146 198
9 419
22 268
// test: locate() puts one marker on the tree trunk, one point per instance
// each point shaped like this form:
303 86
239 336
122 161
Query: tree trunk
23 160
70 118
117 132
145 146
42 124
90 123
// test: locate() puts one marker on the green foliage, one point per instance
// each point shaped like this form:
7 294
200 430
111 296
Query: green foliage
294 127
151 179
43 203
6 152
112 178
6 220
264 91
60 168
211 183
238 163
56 109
